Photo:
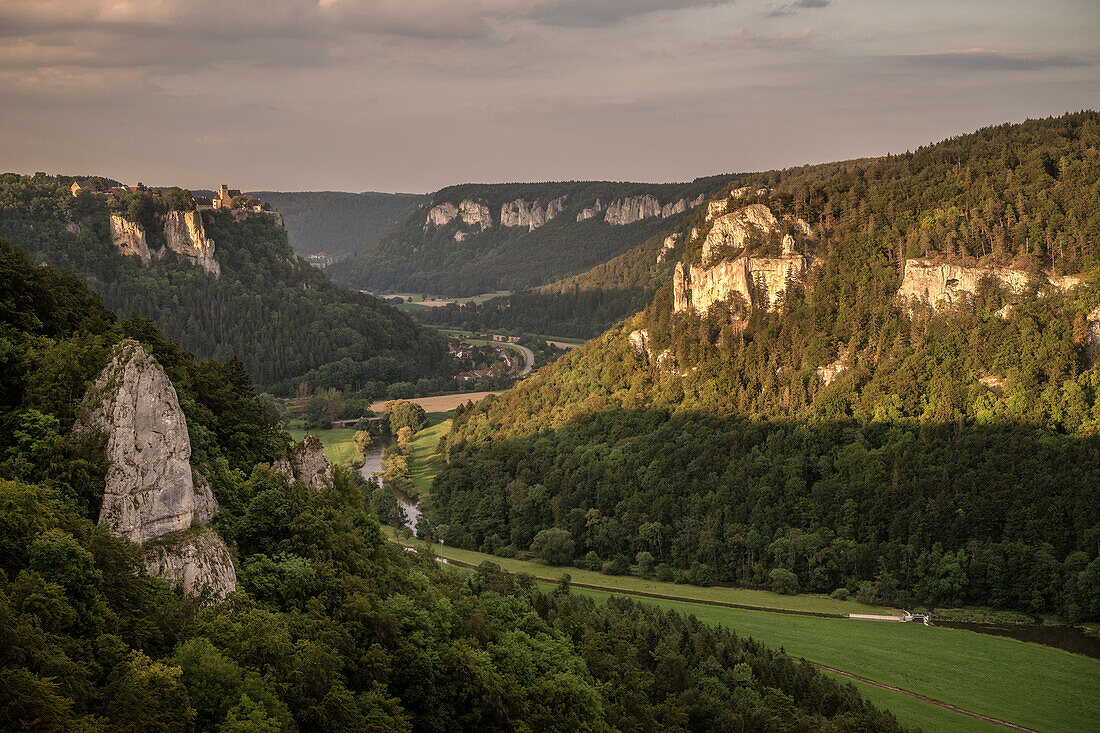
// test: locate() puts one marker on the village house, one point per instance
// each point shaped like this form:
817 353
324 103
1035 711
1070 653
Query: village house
223 199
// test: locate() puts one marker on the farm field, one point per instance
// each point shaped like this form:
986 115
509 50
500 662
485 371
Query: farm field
440 403
425 461
631 584
1031 685
339 444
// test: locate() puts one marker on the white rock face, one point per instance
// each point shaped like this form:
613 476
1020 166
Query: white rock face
939 284
717 208
639 341
667 246
440 216
205 504
632 209
307 463
521 213
591 212
699 287
150 493
185 235
830 372
475 215
731 230
129 237
197 562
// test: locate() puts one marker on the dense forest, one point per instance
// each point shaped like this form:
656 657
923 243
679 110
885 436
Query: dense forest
953 456
281 317
331 627
411 258
337 223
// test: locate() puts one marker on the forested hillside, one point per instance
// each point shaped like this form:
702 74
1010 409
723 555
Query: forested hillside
337 223
581 306
282 318
912 445
459 258
331 628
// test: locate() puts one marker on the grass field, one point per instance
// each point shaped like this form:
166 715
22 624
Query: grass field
632 584
1027 684
339 446
425 461
440 403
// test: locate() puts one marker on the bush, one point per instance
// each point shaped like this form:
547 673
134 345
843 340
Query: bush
700 574
664 573
784 581
506 551
645 563
592 561
618 565
840 594
554 546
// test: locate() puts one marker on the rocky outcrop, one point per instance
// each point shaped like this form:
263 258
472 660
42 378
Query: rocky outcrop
150 491
591 212
185 236
521 213
717 208
758 280
206 506
679 207
639 341
632 209
440 216
474 214
306 463
829 372
197 562
667 246
941 284
730 231
129 237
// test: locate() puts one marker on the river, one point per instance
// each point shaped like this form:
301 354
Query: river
372 468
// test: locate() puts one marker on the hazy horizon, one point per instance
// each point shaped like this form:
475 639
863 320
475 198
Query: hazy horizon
387 96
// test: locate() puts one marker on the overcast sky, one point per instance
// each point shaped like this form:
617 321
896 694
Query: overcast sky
413 95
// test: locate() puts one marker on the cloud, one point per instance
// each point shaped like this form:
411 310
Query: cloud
798 6
599 13
980 59
744 38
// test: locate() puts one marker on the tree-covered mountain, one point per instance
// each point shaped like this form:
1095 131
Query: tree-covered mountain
335 223
283 318
879 375
478 238
331 628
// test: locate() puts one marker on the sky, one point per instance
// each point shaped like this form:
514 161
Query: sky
414 95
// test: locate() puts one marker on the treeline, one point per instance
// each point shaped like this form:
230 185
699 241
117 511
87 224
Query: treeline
408 259
331 627
286 322
997 369
994 515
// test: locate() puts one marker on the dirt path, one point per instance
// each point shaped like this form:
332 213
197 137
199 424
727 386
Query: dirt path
915 696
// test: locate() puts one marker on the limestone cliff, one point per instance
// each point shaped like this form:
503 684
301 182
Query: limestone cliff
474 214
306 463
198 562
758 280
183 233
185 236
591 212
941 284
521 213
635 208
150 490
731 231
440 216
129 237
667 246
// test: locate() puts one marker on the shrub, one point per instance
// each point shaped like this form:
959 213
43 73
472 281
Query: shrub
784 581
554 546
645 563
665 573
700 574
840 594
592 561
618 565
